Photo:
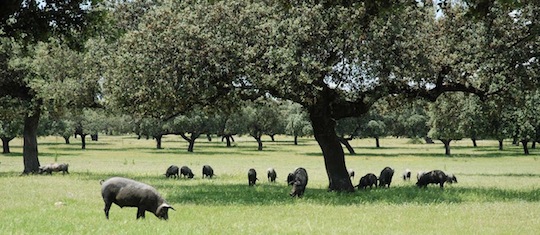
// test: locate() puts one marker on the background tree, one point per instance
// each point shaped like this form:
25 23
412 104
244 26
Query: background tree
11 125
260 117
297 122
445 119
24 24
193 123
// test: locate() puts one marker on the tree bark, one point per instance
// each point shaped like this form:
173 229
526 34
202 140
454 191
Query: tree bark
446 143
83 141
5 144
30 148
66 139
334 157
347 145
525 147
377 142
228 139
500 144
295 140
158 141
259 143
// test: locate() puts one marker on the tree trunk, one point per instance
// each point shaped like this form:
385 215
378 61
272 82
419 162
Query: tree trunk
474 142
209 137
272 137
190 140
191 145
377 143
30 148
83 141
158 141
500 144
334 157
347 145
66 138
5 144
533 145
94 137
295 140
259 143
228 139
428 140
525 147
446 143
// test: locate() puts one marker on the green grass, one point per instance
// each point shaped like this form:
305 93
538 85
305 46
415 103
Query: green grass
498 191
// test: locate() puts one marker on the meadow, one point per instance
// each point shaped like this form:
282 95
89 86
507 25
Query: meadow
498 192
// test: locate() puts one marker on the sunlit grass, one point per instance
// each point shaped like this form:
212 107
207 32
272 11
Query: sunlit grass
498 191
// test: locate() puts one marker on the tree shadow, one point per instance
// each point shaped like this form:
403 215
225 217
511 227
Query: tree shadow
272 194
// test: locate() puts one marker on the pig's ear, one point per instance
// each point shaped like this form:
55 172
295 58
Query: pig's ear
168 206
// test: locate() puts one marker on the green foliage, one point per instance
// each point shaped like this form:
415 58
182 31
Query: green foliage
444 117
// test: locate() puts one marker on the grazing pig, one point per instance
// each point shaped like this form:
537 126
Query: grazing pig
252 177
130 193
407 174
172 171
299 182
56 167
351 173
385 179
367 180
271 174
432 177
290 178
420 174
207 171
185 171
451 178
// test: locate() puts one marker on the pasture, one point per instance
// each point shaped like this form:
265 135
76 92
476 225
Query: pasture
498 192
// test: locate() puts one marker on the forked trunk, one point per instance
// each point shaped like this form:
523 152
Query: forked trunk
30 148
66 139
190 140
334 157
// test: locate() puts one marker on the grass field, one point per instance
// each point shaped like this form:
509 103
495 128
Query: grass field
498 191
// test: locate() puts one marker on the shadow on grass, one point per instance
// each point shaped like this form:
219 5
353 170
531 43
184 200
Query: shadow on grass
266 194
213 192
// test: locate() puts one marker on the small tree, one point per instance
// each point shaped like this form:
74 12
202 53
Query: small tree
444 119
297 122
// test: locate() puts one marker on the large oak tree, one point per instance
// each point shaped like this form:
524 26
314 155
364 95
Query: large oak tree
335 58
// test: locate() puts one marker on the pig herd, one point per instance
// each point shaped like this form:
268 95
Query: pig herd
130 193
424 178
